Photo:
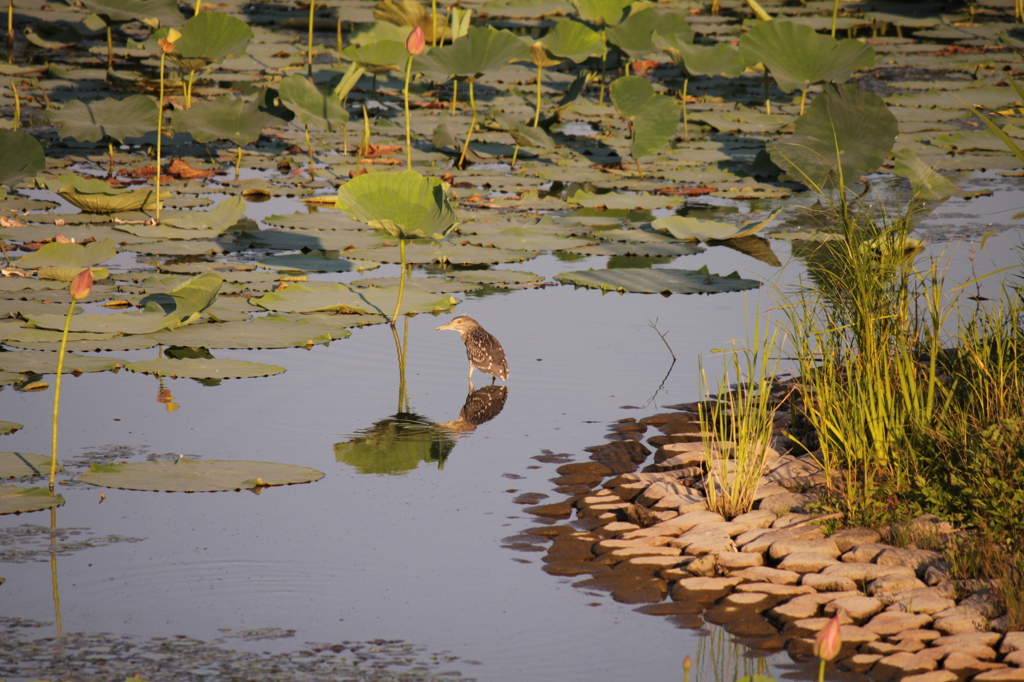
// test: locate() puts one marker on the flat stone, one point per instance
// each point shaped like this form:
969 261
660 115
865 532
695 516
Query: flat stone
810 626
984 602
901 664
788 520
705 565
864 572
893 583
978 651
656 563
782 502
1012 641
856 636
932 676
890 622
859 663
681 503
1014 658
881 648
676 525
806 562
711 545
859 609
757 518
805 606
760 540
986 639
733 561
703 589
609 544
681 454
958 624
921 634
936 573
660 489
916 559
864 553
786 547
729 528
627 552
755 601
757 574
618 527
966 666
828 583
781 591
848 538
1001 675
699 534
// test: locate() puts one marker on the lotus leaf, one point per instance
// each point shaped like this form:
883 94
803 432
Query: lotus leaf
645 249
623 200
224 118
658 281
329 296
702 60
527 240
480 50
443 253
106 119
798 56
24 465
224 215
118 323
378 57
396 445
16 500
409 13
845 134
928 184
653 117
432 285
602 12
96 196
197 476
709 230
573 40
123 11
46 363
402 203
186 302
313 106
69 255
9 427
318 261
204 368
369 34
635 35
53 36
270 331
314 240
187 247
210 37
497 278
21 156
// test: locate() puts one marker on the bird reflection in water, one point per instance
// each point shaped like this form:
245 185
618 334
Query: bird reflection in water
482 405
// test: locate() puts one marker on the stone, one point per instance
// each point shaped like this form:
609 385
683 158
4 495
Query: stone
757 518
864 553
681 454
758 574
890 622
892 583
882 648
936 573
754 601
661 489
788 520
729 528
706 565
630 491
932 676
859 609
781 591
810 626
917 559
925 603
828 583
848 538
623 553
1012 641
609 544
701 534
703 589
805 606
856 636
682 503
619 527
676 525
785 501
965 665
785 547
920 634
656 563
711 545
865 572
793 468
859 663
1001 675
985 603
1014 658
732 561
978 651
806 562
760 540
985 639
958 623
901 664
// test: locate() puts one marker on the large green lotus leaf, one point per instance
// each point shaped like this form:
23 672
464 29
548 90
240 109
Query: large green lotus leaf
16 500
480 50
653 117
709 230
573 40
93 195
24 465
433 285
602 12
117 323
224 215
741 119
396 445
21 156
313 240
204 368
402 203
797 55
68 255
702 60
316 108
318 261
197 476
187 247
105 119
617 200
210 37
224 118
123 11
186 302
148 231
378 57
328 296
635 35
443 253
46 363
657 281
378 31
270 331
845 134
928 184
525 239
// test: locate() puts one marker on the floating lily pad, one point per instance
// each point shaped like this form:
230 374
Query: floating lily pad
224 215
328 296
24 465
612 200
67 255
106 119
433 285
46 363
709 230
197 476
17 500
117 323
9 427
496 278
21 156
444 254
96 196
204 368
318 261
658 281
270 331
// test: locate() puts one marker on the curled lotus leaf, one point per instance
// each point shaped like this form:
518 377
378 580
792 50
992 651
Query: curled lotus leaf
96 196
328 296
105 119
69 255
186 302
482 48
24 465
204 368
316 108
657 281
16 500
709 230
702 60
210 37
573 40
197 476
402 203
21 156
653 117
928 183
635 36
46 363
378 57
602 12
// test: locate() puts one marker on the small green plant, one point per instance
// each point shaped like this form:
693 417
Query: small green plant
80 287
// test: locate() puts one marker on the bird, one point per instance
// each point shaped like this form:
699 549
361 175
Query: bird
483 350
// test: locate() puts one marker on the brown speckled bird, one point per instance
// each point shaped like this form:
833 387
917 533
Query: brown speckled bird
482 349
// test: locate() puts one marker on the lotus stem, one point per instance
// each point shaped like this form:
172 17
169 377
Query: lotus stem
188 89
408 125
199 6
10 26
17 104
686 118
401 283
365 144
455 94
835 14
309 51
339 40
238 162
604 67
309 146
56 392
536 115
447 16
433 23
803 98
159 132
639 172
472 125
110 155
512 166
767 98
53 573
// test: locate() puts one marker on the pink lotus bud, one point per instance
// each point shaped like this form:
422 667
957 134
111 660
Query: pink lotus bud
81 285
687 664
828 642
416 41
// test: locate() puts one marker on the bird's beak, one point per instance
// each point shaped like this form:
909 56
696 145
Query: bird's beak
444 326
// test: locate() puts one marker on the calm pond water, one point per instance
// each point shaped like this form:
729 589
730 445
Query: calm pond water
418 556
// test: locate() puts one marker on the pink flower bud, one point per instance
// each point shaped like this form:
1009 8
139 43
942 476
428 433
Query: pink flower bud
687 664
828 642
81 285
416 41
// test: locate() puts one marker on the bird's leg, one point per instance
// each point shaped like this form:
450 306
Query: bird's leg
470 371
471 386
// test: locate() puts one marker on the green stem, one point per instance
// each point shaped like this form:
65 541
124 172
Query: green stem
17 104
188 89
309 51
159 133
803 98
110 154
515 155
309 146
110 48
401 283
53 573
433 23
199 5
472 125
10 25
339 40
640 172
821 671
238 162
835 14
604 67
536 115
56 392
686 119
767 99
455 94
408 126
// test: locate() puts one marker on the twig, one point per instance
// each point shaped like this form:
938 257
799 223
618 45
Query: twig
654 326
